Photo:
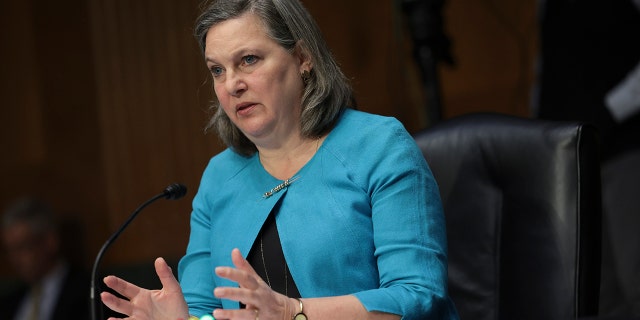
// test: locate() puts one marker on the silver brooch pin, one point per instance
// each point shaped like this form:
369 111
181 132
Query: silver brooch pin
279 187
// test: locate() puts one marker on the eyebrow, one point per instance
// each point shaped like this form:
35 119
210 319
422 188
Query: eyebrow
208 59
239 52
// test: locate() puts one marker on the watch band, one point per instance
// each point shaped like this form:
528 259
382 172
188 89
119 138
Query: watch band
300 315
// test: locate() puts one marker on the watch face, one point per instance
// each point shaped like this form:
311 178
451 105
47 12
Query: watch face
300 316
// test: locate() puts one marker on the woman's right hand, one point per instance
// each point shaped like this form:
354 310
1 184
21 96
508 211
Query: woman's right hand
143 304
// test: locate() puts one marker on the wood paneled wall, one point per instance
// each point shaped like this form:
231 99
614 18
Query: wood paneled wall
495 45
104 101
151 100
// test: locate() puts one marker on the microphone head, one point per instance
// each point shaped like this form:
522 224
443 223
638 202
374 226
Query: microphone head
175 191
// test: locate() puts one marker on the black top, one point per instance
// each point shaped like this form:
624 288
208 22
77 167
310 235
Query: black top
267 259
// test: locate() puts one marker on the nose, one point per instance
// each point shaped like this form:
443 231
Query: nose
235 83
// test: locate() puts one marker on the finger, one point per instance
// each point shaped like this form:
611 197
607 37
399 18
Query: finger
246 296
240 262
116 304
167 279
122 287
245 279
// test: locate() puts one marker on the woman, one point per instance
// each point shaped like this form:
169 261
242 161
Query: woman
331 205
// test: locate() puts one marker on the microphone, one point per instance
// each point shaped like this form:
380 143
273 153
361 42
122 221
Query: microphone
172 192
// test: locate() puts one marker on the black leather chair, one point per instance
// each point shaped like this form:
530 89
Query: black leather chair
522 203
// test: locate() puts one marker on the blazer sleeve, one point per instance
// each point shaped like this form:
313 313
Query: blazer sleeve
195 271
409 231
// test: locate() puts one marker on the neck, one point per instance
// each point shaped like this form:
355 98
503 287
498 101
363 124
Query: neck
285 161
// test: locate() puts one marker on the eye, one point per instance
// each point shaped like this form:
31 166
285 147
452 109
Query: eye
215 70
250 59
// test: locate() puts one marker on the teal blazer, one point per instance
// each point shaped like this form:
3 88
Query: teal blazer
362 217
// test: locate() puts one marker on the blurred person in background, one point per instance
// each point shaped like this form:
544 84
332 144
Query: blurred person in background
52 290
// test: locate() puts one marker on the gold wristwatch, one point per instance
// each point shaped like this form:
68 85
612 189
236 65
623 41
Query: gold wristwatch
300 315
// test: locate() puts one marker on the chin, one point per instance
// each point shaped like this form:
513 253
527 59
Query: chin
254 132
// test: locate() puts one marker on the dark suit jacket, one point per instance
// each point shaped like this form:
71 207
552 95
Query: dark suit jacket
72 303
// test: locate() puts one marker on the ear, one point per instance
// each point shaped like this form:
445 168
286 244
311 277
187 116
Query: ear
303 55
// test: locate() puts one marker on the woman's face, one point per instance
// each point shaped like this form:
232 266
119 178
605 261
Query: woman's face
257 81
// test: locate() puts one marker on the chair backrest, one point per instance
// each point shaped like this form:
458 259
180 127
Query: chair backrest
522 203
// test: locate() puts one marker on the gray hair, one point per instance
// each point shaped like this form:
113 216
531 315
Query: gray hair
327 92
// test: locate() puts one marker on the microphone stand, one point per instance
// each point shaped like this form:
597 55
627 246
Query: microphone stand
430 45
173 192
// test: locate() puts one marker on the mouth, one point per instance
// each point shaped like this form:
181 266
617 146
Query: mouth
244 106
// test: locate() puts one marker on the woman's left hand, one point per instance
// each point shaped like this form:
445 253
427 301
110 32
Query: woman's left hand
261 302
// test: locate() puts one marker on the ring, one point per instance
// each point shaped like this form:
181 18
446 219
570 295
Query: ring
257 312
